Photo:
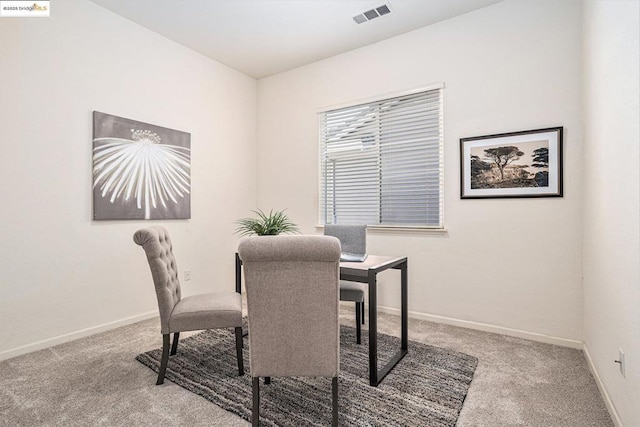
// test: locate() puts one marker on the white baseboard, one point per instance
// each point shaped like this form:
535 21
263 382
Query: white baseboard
564 342
603 391
50 342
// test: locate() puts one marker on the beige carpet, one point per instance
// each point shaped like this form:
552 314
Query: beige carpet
96 381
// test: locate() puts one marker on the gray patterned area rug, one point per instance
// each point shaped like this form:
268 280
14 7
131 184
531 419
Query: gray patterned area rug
427 388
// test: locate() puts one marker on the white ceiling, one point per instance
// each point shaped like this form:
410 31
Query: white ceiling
265 37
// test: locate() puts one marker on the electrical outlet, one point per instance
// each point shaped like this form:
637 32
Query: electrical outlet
187 275
620 362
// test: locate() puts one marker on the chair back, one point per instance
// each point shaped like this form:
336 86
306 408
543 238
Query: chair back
353 238
292 303
157 245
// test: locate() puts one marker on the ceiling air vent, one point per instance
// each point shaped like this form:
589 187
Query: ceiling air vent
372 14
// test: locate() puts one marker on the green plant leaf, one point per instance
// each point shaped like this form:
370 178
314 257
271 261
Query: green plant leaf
266 225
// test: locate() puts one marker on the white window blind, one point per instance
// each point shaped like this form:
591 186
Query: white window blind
381 162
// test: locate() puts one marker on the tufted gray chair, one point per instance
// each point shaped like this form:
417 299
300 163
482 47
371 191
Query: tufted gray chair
353 239
292 302
177 314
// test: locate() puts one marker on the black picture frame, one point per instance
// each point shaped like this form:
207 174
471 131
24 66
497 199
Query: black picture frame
512 165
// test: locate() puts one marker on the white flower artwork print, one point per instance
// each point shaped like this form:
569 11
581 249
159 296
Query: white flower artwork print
140 171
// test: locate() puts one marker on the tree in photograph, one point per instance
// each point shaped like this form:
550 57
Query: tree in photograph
478 168
541 160
502 157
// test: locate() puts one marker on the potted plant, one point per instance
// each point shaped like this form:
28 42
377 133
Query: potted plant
266 225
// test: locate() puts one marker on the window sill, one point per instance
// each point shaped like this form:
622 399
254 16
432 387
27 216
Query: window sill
400 229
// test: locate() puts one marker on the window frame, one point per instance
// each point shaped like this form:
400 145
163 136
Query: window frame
376 99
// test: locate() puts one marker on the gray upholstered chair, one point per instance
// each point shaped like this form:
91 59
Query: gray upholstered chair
177 314
353 239
293 309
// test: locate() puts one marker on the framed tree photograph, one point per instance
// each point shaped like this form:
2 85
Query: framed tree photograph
140 170
515 164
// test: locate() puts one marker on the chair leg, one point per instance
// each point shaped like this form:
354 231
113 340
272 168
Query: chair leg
174 347
239 351
358 324
267 380
334 398
165 358
255 411
360 309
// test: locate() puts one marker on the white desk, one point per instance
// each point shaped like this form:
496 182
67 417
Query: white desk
367 272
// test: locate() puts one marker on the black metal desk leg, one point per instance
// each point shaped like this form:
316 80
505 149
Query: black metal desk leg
373 329
404 309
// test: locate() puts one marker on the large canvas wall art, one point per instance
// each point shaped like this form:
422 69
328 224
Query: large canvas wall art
140 171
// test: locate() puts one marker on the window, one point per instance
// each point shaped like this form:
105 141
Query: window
381 162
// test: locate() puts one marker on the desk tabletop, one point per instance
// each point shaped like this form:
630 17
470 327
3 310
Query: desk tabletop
373 262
